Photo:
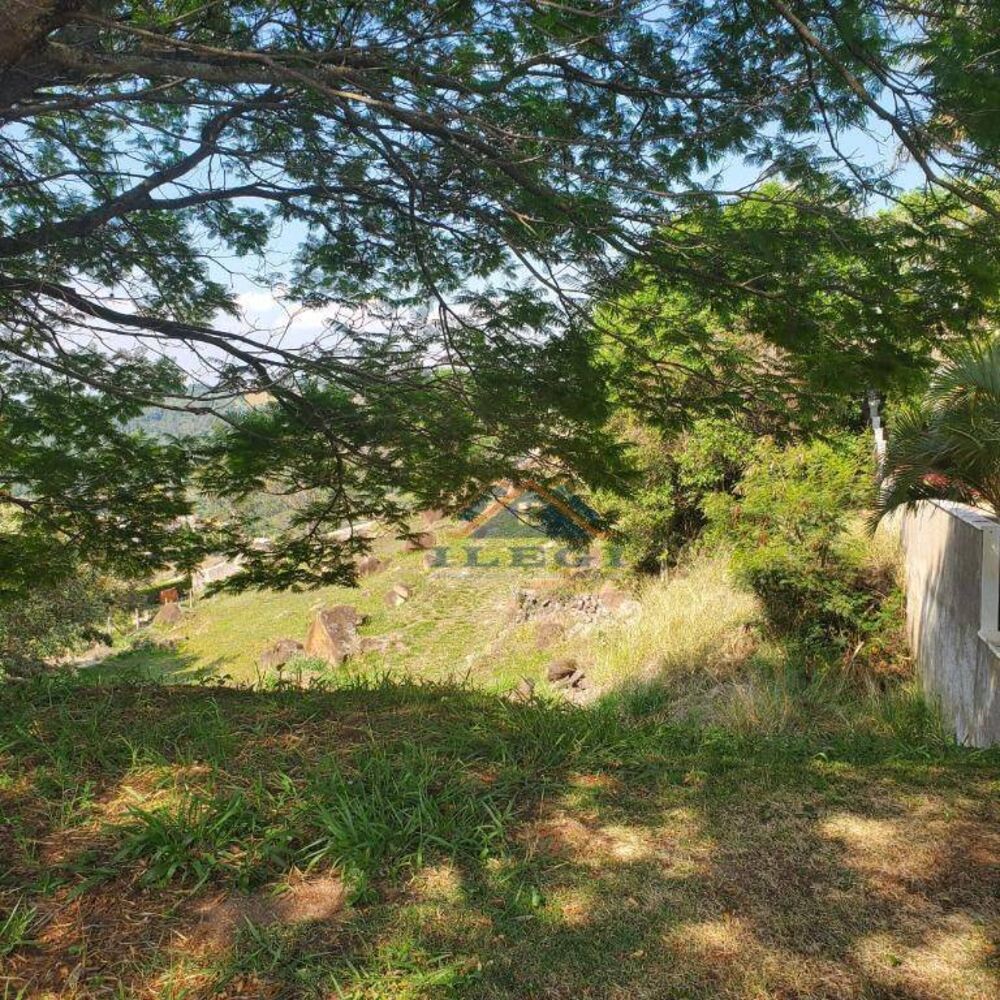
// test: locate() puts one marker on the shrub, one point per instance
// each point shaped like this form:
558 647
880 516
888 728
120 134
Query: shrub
660 512
789 524
53 619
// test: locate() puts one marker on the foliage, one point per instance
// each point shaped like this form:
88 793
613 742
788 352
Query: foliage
53 618
789 525
441 182
581 813
76 486
656 507
947 444
791 304
16 926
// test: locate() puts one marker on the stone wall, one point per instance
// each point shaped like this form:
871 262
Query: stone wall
953 619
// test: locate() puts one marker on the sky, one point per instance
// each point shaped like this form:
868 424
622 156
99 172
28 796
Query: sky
264 306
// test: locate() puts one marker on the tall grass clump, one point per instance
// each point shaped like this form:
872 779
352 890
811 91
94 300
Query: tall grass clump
693 622
16 926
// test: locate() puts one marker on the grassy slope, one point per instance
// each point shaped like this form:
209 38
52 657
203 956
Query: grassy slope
716 826
458 625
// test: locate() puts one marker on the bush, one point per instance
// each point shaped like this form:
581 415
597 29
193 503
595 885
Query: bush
53 619
789 524
660 512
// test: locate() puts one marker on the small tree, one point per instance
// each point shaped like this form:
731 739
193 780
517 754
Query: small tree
947 446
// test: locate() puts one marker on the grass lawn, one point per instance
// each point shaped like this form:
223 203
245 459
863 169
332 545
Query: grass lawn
396 839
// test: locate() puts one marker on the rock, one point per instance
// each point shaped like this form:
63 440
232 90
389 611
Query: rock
612 597
399 594
279 653
391 642
367 565
169 614
333 634
346 615
581 696
524 691
558 669
422 540
548 631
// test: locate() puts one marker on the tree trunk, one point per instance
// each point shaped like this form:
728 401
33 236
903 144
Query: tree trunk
24 28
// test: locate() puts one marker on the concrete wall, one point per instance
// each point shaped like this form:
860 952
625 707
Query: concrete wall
952 580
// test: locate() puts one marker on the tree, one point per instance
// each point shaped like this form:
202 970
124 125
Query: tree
814 301
947 445
455 176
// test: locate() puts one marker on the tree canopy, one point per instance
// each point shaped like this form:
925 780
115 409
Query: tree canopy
458 178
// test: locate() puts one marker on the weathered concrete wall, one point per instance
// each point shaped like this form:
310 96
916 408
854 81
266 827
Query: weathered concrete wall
944 552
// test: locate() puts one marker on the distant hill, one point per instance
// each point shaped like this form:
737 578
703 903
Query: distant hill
160 422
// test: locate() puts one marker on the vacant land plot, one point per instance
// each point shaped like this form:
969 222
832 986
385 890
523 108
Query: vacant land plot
417 840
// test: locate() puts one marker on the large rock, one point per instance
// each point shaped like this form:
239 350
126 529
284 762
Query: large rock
333 634
420 541
399 594
367 565
169 614
279 653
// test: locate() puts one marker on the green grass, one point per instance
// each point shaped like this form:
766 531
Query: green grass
453 612
491 849
457 626
724 821
15 927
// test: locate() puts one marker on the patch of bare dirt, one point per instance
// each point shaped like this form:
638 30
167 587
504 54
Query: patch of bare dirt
310 900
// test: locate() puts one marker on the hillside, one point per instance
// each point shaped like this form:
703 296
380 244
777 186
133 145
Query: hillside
488 624
701 819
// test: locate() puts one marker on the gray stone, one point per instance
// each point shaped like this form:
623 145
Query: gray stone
420 541
169 614
367 565
399 594
280 652
548 631
333 634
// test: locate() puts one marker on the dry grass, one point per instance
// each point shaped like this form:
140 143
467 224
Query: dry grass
692 622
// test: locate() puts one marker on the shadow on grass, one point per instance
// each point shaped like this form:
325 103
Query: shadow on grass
489 849
149 663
